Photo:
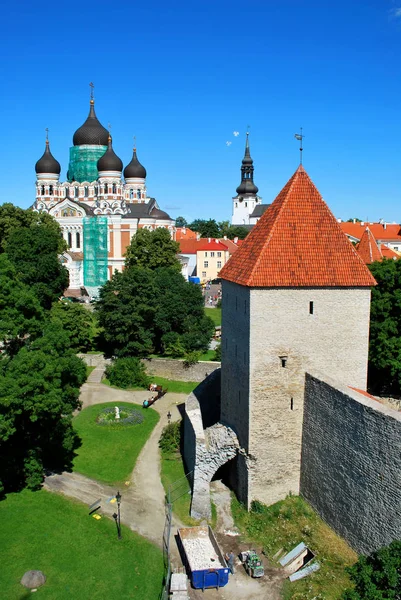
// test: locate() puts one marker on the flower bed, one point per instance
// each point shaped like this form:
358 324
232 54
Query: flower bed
128 416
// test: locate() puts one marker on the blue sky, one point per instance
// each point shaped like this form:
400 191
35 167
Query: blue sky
183 76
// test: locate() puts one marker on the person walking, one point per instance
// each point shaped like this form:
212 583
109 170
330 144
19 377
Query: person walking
169 417
230 561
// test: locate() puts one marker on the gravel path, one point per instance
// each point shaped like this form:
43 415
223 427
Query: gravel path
142 506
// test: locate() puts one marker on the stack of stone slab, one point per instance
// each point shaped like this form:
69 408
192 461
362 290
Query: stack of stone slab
179 587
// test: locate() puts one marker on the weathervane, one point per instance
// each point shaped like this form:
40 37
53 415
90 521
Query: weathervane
299 137
47 134
91 85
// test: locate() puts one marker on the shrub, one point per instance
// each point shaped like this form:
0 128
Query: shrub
170 438
127 372
217 353
191 358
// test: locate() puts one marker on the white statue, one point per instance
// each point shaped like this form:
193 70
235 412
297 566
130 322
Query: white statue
117 412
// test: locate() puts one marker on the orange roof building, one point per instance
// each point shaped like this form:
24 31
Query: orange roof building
370 251
297 243
384 233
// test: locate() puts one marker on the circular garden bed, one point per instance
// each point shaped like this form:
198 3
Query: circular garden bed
128 416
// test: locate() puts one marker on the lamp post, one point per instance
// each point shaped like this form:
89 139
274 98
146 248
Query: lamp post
116 516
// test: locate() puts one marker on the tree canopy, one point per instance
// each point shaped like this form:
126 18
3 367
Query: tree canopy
78 322
144 311
377 576
181 222
385 329
12 218
153 249
211 228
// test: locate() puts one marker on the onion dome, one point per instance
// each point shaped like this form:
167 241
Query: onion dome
92 132
247 187
134 169
109 161
47 163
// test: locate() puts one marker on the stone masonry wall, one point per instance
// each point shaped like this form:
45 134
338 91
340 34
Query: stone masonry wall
351 463
161 367
333 339
235 375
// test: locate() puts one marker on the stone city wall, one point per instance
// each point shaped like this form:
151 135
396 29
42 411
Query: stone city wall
351 463
162 367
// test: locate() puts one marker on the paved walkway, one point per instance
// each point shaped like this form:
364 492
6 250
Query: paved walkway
142 506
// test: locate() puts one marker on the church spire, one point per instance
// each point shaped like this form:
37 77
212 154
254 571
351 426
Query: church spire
247 185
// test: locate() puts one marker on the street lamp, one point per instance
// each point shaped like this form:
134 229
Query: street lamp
116 516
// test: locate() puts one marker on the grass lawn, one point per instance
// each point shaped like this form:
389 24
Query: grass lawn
284 525
80 557
214 314
209 355
108 452
177 387
89 370
172 472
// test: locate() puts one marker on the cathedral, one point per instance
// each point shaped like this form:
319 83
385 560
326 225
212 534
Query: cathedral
99 207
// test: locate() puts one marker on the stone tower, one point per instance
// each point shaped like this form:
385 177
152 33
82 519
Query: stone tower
296 296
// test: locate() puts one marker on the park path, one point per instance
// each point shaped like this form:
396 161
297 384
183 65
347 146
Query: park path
142 506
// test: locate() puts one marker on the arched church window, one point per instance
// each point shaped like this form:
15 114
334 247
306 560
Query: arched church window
78 239
138 194
131 193
114 188
96 190
76 192
69 236
86 191
50 190
42 190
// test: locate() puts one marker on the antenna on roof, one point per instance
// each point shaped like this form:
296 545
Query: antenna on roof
299 137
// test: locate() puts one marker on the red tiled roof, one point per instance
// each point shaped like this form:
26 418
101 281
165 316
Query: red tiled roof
297 243
192 246
381 231
368 249
388 252
184 233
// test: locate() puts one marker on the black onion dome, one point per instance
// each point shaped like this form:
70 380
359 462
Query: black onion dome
134 168
247 187
47 163
110 161
92 132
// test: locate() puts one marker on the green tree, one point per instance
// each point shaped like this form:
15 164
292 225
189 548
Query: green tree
126 311
127 372
356 220
385 329
237 231
39 390
181 222
21 316
377 576
153 249
206 228
78 322
34 253
12 217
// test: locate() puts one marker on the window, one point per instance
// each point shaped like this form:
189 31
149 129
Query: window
311 308
131 194
219 255
219 264
284 361
203 273
212 255
42 190
205 264
96 190
292 404
78 240
69 237
236 205
138 193
114 188
76 192
396 248
50 190
246 203
205 253
86 191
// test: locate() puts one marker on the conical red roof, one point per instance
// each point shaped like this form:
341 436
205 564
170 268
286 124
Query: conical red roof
297 243
368 249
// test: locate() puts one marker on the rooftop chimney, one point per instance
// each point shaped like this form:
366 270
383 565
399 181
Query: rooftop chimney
197 237
184 230
235 240
209 240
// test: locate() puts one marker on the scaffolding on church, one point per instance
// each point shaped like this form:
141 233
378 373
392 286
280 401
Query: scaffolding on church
83 163
95 251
